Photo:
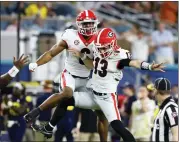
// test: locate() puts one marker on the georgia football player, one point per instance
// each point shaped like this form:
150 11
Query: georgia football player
109 60
75 74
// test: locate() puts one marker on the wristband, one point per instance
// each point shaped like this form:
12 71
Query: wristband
146 66
13 71
84 57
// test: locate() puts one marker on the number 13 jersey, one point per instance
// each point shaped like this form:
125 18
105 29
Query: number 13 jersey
106 75
74 40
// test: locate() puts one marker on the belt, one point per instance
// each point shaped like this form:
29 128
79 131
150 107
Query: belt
79 77
99 94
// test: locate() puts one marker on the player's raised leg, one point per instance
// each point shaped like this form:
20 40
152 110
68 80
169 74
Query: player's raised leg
79 99
108 104
58 114
67 85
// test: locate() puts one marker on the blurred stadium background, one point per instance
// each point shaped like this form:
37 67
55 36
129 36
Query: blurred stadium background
41 24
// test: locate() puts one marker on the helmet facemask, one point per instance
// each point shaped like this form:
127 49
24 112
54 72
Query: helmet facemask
87 28
106 50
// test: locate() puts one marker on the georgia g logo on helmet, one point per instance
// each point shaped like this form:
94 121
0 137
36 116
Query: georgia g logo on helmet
110 34
105 43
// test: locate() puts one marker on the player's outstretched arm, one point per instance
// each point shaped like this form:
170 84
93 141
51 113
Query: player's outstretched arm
86 60
141 65
48 55
147 66
18 65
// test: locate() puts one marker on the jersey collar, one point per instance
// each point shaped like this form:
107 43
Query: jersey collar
86 42
166 101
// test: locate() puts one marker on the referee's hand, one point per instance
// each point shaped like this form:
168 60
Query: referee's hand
157 67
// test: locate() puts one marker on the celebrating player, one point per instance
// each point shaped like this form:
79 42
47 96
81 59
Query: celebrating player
75 74
109 60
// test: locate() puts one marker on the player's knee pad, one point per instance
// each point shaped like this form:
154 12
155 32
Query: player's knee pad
122 131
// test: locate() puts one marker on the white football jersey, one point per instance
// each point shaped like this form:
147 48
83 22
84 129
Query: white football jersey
74 40
106 75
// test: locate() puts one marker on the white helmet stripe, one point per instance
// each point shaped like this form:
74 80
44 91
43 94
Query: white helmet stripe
100 35
86 12
165 84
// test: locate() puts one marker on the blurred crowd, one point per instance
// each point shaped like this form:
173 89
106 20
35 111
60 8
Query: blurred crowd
160 44
137 109
165 11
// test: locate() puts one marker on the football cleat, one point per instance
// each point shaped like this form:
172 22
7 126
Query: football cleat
41 129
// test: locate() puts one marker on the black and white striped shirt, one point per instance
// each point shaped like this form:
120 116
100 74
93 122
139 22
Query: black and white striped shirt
165 120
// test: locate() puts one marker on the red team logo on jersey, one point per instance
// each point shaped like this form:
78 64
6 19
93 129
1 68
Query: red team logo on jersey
76 42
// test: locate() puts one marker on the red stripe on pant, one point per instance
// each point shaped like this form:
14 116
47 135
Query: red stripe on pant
63 78
115 106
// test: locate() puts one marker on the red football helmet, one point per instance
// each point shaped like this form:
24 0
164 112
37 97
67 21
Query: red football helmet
106 42
87 23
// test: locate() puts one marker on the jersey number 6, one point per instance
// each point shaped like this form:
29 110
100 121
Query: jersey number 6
86 51
102 73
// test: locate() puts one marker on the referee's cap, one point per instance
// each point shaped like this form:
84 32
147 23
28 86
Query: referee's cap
162 84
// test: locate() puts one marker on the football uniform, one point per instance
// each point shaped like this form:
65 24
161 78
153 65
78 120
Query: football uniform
75 74
106 75
102 87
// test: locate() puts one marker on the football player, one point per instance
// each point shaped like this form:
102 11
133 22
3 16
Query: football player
75 74
109 60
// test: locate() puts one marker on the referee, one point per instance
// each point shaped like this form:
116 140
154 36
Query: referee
165 127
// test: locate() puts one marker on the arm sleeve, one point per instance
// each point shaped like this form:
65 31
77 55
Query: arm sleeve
122 63
171 116
126 58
